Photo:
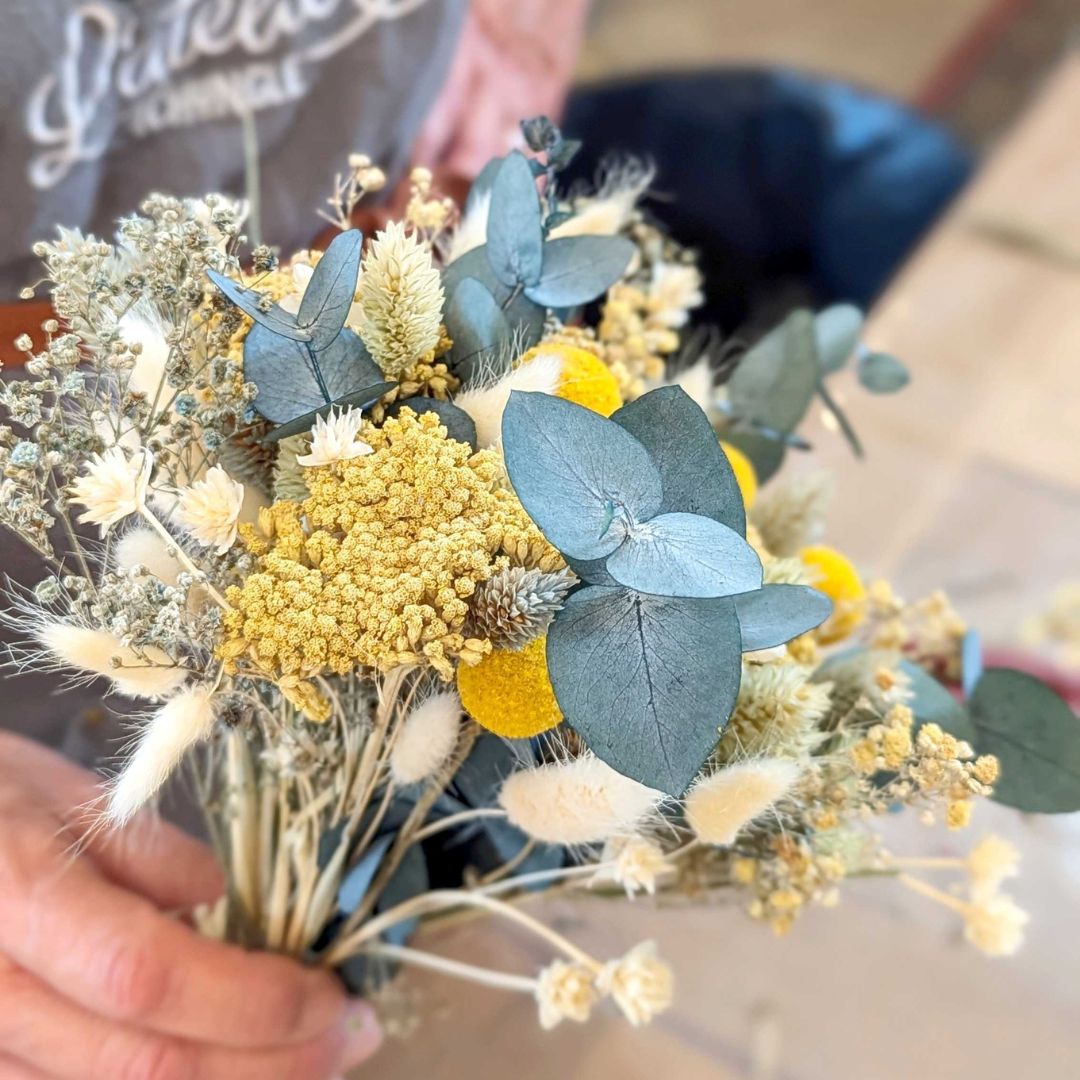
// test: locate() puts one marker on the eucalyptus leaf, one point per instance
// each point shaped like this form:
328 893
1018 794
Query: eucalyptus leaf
294 380
685 555
409 879
358 399
1034 735
515 237
837 329
593 571
647 681
476 325
775 381
329 293
696 475
971 662
578 269
774 614
459 425
355 884
881 373
580 477
766 454
249 301
483 183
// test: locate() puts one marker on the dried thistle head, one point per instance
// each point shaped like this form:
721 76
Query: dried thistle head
516 605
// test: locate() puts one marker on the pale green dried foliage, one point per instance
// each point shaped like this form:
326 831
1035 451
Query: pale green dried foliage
401 296
516 605
778 712
289 482
790 514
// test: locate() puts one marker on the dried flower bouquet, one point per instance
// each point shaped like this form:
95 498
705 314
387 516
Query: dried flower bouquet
448 592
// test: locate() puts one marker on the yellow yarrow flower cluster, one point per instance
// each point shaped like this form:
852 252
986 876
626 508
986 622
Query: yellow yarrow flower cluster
376 567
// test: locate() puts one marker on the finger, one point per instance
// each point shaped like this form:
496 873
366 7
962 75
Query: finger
92 1048
10 1069
115 954
149 856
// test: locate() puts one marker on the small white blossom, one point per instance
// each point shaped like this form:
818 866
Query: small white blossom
565 992
634 863
641 983
995 925
114 486
989 863
334 438
210 508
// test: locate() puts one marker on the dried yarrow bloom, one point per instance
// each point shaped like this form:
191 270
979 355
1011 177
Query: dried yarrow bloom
641 984
210 508
401 296
113 488
516 605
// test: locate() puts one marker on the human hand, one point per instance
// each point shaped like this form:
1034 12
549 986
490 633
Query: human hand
515 60
97 982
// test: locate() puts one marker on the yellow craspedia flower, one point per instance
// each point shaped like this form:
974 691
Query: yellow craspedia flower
839 580
584 378
510 693
743 468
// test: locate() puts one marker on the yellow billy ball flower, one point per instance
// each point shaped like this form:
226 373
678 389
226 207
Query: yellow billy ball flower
839 580
510 693
745 475
583 379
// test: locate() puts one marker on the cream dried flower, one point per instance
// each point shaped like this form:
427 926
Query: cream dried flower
633 862
718 807
334 438
995 925
426 738
114 486
641 983
790 515
565 992
989 863
675 289
210 508
401 296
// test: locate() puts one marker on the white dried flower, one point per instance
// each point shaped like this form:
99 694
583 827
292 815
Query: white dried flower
148 673
183 721
608 211
114 486
210 508
995 925
674 290
427 738
790 514
472 229
486 404
641 983
334 438
143 327
989 863
696 382
565 992
582 801
144 547
633 862
401 295
719 806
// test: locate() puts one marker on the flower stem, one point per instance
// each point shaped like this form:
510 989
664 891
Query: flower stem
453 820
182 556
485 976
923 889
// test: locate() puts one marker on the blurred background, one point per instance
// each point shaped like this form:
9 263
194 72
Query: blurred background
971 484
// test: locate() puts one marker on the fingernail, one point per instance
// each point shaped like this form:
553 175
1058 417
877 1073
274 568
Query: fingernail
362 1034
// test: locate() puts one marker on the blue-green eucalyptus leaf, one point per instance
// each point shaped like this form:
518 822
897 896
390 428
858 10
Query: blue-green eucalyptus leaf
685 555
881 373
293 380
459 425
580 477
483 183
1034 735
775 381
515 237
476 325
646 681
766 454
837 329
355 884
775 614
329 293
249 301
358 399
578 269
592 571
971 662
409 879
696 475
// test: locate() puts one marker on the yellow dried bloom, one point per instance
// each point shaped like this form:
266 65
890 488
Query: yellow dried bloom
376 566
510 693
838 580
743 870
585 380
401 295
986 769
745 474
958 814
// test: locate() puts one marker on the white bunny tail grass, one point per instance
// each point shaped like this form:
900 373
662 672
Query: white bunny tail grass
608 212
472 229
697 382
149 673
427 738
485 403
142 328
142 546
719 806
582 801
183 721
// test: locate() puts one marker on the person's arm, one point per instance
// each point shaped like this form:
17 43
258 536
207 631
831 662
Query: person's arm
515 60
99 981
